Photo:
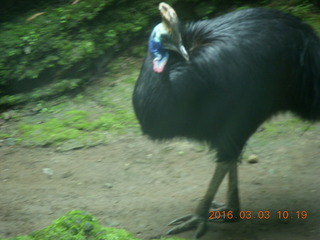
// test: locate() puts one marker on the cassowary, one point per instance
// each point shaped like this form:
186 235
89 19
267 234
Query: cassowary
218 80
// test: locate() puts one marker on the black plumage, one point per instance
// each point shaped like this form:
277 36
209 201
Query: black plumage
243 68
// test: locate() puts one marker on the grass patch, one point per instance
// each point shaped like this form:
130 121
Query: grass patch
282 131
104 109
284 124
85 127
78 225
94 116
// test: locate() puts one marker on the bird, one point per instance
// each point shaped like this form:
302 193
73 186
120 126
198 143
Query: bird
217 80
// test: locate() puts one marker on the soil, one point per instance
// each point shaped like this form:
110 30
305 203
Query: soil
140 185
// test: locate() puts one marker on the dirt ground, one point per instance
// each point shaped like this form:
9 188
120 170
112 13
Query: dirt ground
139 185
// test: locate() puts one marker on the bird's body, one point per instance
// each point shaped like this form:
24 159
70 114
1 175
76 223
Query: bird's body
243 68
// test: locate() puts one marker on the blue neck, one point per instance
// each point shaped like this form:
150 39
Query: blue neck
155 46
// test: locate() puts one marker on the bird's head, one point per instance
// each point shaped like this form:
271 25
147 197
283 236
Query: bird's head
166 36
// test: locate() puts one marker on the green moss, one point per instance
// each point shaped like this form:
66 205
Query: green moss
4 135
76 125
49 133
285 124
25 45
99 113
103 109
43 92
78 225
273 132
66 41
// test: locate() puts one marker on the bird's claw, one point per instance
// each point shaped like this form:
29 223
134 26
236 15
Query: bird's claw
216 206
180 220
189 222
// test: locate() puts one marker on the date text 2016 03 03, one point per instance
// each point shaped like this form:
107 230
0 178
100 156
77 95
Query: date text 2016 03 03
229 215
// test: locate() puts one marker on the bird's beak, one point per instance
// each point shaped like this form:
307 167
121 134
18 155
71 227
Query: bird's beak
179 48
171 21
182 50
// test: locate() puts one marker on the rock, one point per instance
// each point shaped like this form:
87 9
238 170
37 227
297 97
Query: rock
199 148
112 223
48 172
143 225
180 153
72 144
67 175
8 115
127 166
79 143
271 171
10 142
108 185
252 159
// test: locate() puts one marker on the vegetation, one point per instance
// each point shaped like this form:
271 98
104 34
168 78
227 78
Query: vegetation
57 46
93 116
56 50
65 44
78 225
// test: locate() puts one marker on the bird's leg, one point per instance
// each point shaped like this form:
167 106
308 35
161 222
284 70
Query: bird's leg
233 203
200 218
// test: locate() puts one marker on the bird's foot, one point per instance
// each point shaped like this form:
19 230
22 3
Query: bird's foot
189 222
219 212
217 205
